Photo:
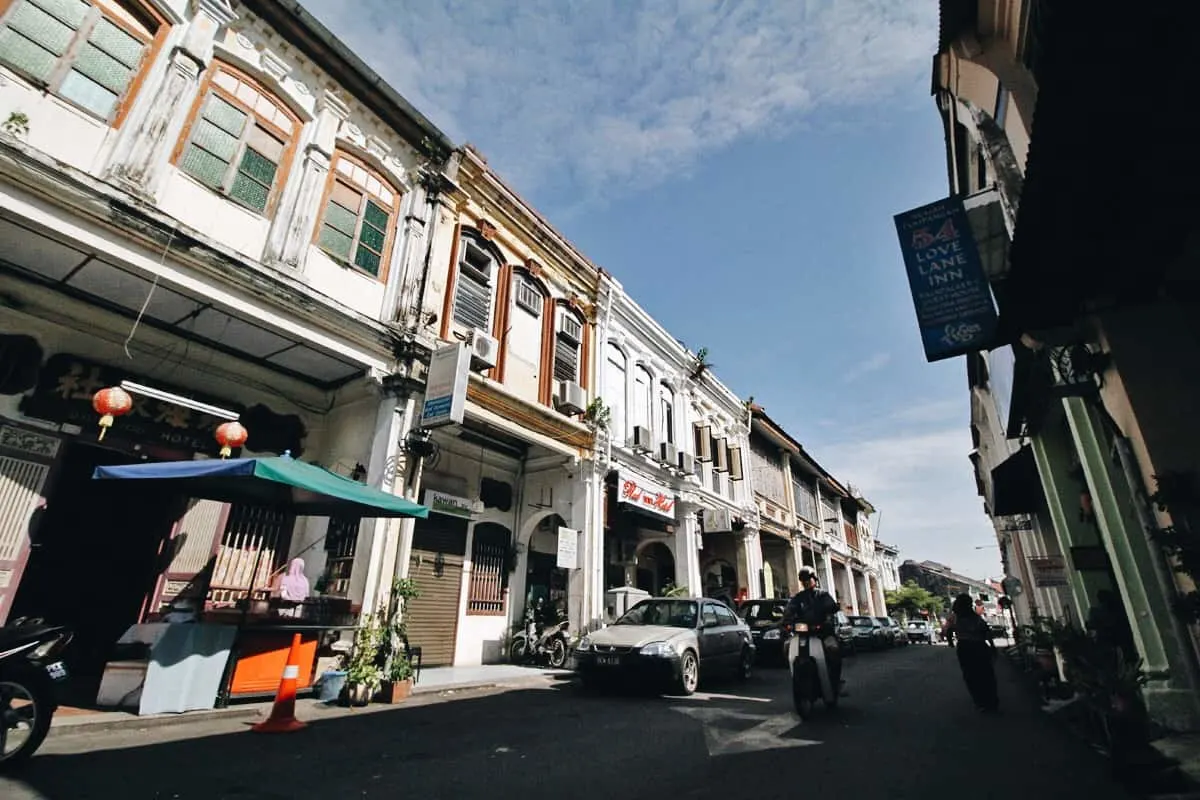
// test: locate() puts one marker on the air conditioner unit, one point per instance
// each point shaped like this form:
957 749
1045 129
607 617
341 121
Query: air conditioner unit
641 438
570 398
484 349
687 463
667 453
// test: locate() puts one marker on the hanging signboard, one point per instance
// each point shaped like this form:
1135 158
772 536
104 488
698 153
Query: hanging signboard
448 504
1049 571
568 548
446 386
953 300
645 495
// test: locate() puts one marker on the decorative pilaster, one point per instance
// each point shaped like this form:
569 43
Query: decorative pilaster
292 228
687 549
852 589
140 156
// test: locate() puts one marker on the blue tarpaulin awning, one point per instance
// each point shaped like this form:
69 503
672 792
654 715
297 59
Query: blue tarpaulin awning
278 482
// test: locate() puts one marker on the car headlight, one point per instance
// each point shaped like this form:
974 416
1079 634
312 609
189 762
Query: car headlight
772 634
584 645
658 650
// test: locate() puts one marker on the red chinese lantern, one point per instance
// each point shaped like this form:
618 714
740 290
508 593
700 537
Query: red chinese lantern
111 403
231 435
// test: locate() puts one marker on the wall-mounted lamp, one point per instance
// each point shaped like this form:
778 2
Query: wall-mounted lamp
419 442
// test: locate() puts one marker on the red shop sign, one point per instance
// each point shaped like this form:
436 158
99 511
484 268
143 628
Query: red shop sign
654 499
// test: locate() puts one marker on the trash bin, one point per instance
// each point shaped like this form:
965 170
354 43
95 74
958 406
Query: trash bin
329 686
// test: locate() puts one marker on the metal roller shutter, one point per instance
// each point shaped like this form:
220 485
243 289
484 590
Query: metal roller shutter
436 566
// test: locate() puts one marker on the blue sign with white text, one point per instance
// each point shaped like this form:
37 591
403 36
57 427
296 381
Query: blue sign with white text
954 304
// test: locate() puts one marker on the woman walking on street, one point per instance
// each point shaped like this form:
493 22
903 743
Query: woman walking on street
976 653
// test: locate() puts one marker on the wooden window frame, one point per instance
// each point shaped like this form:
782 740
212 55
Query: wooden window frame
561 335
385 259
209 87
466 241
146 12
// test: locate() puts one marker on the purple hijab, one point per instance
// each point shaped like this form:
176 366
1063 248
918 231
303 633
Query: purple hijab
294 586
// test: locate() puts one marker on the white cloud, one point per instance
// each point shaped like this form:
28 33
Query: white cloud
867 366
923 486
611 95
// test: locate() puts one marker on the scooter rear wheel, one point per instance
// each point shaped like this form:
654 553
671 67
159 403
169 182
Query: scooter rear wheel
25 713
558 653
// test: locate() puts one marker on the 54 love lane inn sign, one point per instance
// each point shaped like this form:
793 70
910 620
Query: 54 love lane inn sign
954 304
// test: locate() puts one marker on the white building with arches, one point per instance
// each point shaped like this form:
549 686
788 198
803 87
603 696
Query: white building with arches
677 510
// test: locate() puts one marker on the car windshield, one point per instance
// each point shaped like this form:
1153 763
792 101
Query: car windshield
763 612
862 622
671 613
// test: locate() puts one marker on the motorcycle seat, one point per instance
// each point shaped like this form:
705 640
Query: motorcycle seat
16 635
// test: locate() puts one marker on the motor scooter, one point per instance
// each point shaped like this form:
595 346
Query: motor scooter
29 670
810 670
545 643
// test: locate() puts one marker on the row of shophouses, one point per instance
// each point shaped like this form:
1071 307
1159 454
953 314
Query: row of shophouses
221 202
1083 401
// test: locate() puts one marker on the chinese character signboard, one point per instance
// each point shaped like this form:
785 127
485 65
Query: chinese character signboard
446 386
64 392
953 300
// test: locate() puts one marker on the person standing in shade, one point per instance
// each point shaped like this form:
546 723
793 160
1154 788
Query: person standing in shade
976 653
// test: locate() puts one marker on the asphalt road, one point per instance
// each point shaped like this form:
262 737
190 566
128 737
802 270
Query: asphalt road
907 730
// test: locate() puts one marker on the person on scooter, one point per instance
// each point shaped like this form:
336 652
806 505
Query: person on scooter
818 609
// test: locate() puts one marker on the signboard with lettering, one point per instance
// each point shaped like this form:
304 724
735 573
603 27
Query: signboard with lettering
446 386
953 300
64 392
1049 571
451 505
646 495
568 548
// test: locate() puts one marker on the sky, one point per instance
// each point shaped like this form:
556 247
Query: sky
736 165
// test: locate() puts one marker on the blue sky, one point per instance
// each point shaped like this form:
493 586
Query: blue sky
736 166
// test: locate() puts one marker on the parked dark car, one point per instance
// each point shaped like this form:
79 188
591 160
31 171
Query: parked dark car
765 618
868 634
669 642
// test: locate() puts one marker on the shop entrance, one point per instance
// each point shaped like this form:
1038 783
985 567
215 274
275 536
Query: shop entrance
655 568
546 580
94 559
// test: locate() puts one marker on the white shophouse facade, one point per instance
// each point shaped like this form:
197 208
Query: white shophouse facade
675 433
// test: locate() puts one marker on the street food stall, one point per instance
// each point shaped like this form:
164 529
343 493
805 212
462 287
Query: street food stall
214 644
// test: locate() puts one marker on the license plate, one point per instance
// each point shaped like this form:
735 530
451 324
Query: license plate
608 661
57 671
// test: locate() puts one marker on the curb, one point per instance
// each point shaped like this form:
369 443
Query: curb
85 724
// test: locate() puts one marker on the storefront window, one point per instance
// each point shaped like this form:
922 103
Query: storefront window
489 569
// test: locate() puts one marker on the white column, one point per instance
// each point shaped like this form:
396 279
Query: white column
870 592
751 557
594 536
291 230
139 158
830 583
579 579
853 588
687 550
880 601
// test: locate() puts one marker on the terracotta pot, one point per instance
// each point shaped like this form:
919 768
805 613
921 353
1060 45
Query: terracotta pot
395 691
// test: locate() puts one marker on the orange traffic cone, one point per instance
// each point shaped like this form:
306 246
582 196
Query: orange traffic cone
283 713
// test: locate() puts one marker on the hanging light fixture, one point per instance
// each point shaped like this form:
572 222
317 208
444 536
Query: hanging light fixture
111 403
230 435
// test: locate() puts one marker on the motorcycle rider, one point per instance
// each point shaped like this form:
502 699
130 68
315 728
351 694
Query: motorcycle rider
817 608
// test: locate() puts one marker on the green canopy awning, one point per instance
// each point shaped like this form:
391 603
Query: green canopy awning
279 482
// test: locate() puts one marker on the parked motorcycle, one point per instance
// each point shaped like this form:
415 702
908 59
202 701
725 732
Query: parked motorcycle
810 671
540 643
28 697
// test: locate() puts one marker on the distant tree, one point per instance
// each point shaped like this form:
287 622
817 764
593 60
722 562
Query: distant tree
911 599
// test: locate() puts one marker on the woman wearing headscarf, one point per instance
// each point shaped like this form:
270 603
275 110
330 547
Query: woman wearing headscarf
976 653
294 586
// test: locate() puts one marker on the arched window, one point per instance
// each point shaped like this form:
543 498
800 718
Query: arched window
475 284
666 413
238 141
642 387
568 342
615 376
359 217
87 53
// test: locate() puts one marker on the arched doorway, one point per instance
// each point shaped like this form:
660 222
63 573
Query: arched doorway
543 578
655 568
720 581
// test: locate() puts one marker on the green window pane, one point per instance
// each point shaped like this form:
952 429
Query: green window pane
367 260
204 167
376 216
372 237
24 55
249 192
258 167
117 43
340 218
71 12
103 68
41 28
87 93
215 140
334 242
225 115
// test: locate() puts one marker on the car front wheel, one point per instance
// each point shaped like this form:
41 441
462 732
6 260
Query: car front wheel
689 674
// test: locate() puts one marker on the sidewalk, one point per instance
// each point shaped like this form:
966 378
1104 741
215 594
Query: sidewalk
433 682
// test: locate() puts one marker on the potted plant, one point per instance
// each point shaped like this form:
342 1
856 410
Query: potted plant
397 685
363 675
